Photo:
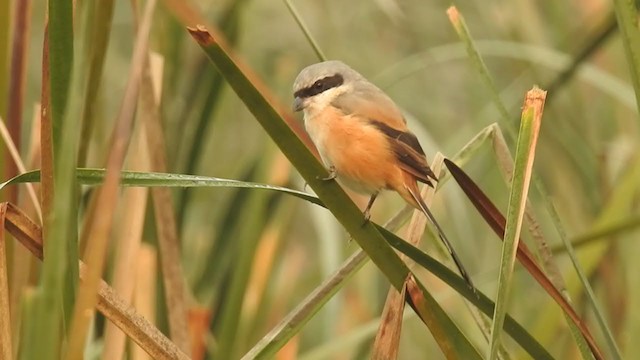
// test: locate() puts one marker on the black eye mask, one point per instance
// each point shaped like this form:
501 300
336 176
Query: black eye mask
320 86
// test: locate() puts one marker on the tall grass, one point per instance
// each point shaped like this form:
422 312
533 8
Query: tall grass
243 271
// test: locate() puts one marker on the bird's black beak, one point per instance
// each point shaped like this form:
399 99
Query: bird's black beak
298 104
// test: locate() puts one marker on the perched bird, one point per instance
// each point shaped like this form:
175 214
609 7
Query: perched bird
363 139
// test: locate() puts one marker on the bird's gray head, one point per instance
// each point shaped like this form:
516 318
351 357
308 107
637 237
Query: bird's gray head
319 84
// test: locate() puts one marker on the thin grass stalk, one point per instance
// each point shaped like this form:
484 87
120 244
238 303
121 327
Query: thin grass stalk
109 304
231 311
94 177
386 344
271 241
387 340
596 41
305 30
293 322
613 230
517 332
249 231
212 87
144 297
484 74
553 268
167 232
627 16
461 28
254 94
28 303
54 300
6 341
101 15
525 154
19 51
6 22
505 162
17 160
101 224
22 262
175 289
264 268
133 208
613 346
514 329
46 135
61 46
620 203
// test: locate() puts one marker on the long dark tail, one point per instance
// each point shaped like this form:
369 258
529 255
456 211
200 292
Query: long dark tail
425 209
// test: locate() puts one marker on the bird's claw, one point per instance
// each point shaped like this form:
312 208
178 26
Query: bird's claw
367 217
332 174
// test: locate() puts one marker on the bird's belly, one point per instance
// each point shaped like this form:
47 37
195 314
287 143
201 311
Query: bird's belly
359 153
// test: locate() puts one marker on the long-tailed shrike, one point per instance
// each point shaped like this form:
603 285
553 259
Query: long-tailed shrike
363 138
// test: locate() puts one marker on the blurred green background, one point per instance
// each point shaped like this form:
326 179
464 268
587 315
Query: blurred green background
586 157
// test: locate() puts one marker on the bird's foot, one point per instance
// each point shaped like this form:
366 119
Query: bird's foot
367 217
332 174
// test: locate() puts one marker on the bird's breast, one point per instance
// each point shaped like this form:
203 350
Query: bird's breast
358 151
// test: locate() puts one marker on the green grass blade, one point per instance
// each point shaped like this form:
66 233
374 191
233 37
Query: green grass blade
100 15
627 15
515 330
5 30
5 310
619 227
60 270
305 30
60 62
307 308
291 324
251 92
482 70
28 307
212 86
309 167
231 312
95 177
613 346
461 28
525 153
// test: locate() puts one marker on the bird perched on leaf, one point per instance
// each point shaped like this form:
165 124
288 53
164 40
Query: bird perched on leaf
363 139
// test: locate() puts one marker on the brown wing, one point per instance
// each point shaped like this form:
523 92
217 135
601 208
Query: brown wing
371 103
408 151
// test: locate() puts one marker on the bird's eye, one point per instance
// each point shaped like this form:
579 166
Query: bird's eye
318 85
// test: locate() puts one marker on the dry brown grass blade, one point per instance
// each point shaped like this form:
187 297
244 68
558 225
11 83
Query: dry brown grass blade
17 77
109 303
101 224
505 162
497 222
199 319
145 295
21 264
388 336
387 342
133 209
46 131
415 299
167 232
5 312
